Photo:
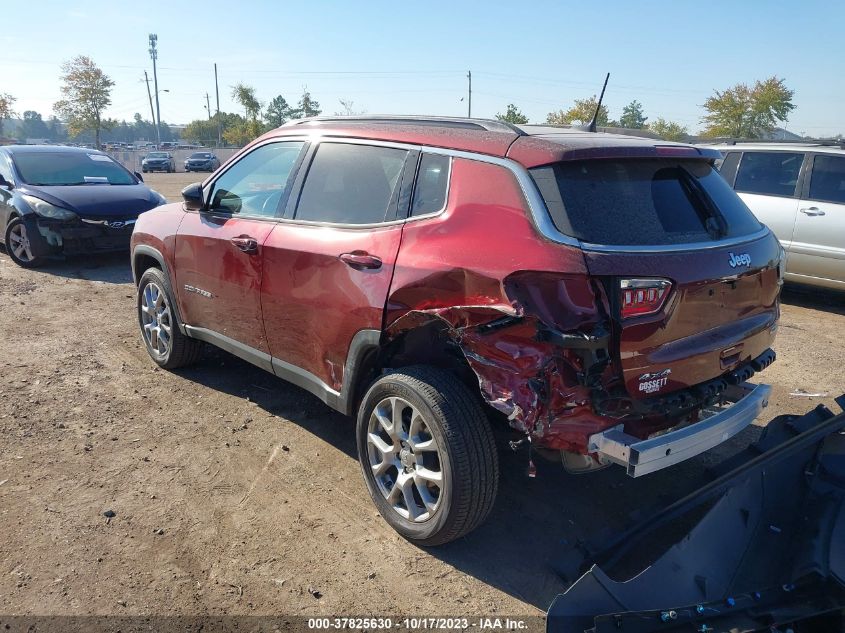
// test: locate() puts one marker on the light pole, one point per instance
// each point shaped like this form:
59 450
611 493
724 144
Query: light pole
154 56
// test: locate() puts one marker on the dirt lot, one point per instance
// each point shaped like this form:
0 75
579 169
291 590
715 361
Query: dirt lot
237 493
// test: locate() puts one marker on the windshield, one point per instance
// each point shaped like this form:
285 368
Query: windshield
642 201
70 168
200 155
157 155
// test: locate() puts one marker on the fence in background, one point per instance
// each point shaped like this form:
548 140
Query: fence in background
132 159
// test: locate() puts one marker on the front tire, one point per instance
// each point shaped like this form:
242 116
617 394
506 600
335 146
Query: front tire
18 245
166 345
428 455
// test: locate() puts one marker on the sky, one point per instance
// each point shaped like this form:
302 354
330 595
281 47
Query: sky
412 57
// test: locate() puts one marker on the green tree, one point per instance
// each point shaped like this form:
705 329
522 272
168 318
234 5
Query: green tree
748 112
33 126
245 96
632 116
668 130
55 130
7 102
205 132
86 92
582 112
513 115
278 112
307 106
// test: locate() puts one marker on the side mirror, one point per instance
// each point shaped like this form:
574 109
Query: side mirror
192 195
5 183
139 176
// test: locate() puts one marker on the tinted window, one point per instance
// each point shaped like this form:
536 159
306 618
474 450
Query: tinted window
256 183
200 155
638 202
158 155
771 173
5 169
70 168
727 166
827 181
432 183
350 184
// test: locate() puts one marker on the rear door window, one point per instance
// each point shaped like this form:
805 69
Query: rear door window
642 202
769 173
351 184
432 184
827 181
727 166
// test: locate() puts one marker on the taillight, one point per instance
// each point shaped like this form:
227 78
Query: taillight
643 296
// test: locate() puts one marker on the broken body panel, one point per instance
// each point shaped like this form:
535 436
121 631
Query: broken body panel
538 321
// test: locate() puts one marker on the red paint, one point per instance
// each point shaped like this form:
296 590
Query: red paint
308 289
314 302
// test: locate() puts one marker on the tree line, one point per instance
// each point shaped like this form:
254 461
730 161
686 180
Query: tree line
742 111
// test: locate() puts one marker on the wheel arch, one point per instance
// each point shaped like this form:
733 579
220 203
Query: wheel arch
145 257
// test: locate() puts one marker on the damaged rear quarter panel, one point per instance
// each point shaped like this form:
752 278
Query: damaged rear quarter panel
483 271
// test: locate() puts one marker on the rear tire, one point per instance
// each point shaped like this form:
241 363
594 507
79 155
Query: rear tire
18 245
166 345
428 455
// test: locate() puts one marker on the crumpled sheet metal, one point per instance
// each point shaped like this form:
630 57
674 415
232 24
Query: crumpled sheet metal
534 383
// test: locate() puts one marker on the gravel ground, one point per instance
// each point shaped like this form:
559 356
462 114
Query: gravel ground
237 493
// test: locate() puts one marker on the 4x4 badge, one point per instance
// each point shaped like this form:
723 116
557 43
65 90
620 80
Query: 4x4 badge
743 259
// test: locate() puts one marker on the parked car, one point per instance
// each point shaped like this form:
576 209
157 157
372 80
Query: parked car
202 161
66 200
606 296
158 161
798 191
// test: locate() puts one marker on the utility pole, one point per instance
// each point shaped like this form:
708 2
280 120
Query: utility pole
208 106
150 95
154 55
469 99
217 93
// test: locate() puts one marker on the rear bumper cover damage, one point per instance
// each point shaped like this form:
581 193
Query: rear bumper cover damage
717 424
767 548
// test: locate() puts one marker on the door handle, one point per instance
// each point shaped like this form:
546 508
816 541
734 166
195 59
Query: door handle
245 243
811 211
360 260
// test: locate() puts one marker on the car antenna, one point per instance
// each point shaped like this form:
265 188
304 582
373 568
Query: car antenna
591 126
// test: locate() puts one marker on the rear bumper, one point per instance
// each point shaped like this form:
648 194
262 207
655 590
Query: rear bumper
640 457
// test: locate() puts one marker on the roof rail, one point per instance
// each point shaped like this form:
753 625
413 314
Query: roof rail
824 142
490 125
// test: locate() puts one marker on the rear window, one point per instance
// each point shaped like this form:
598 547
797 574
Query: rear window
642 202
70 168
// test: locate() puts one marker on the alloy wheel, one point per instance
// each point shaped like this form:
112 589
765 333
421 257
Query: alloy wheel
156 318
19 243
405 459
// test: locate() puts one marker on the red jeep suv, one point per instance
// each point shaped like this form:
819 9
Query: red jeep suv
605 295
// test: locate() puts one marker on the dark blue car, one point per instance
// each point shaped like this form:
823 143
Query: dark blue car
67 200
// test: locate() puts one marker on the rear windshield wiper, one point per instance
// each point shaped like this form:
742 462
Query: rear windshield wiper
712 218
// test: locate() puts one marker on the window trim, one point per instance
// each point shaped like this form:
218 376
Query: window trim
799 184
805 194
209 183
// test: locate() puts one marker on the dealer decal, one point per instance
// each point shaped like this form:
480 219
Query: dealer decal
654 382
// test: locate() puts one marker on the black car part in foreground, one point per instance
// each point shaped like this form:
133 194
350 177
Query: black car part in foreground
766 553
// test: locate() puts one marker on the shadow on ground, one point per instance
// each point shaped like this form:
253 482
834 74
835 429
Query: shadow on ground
113 268
535 524
814 298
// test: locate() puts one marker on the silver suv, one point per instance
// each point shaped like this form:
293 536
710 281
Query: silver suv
798 190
